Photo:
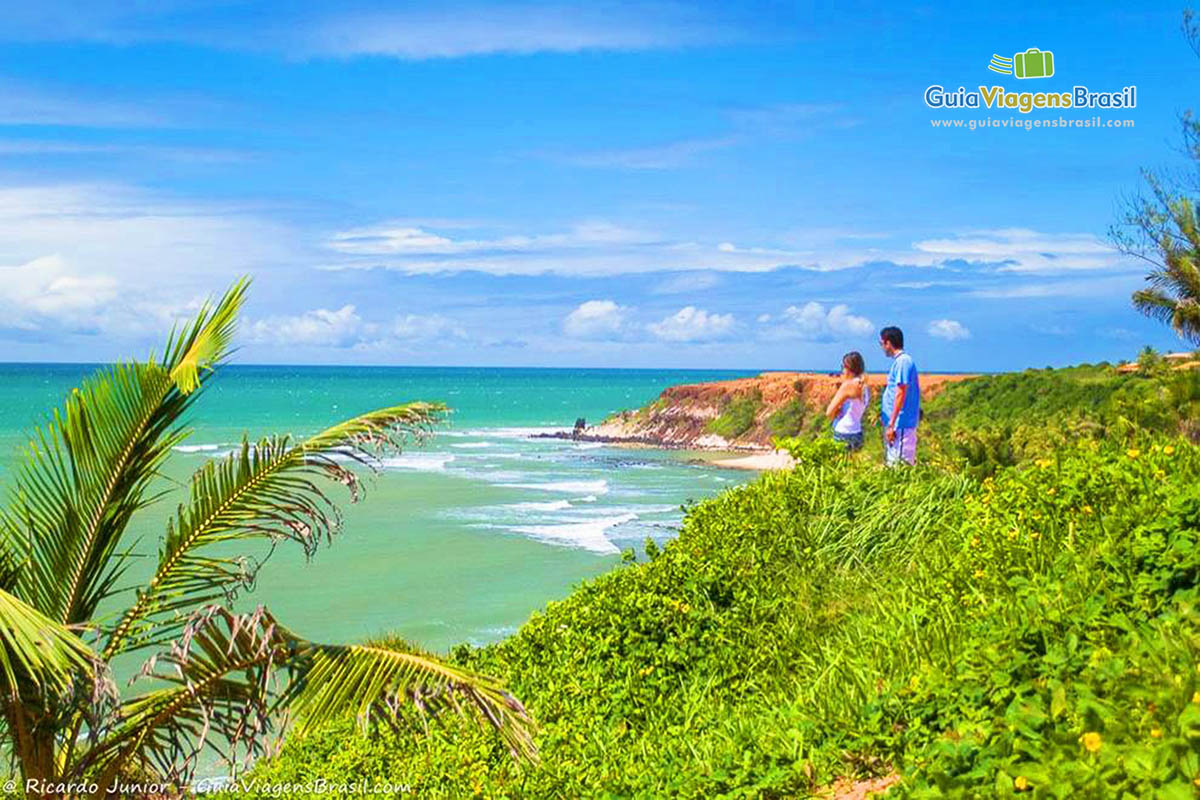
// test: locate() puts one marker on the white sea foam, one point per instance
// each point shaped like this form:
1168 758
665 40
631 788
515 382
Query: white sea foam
198 448
549 505
588 535
472 445
513 432
589 445
420 462
593 487
591 498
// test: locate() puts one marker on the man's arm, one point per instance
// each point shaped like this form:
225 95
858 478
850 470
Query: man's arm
901 392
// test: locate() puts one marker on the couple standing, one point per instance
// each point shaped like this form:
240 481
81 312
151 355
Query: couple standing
900 408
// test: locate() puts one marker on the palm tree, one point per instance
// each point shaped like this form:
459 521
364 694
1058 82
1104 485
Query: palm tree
1162 229
1173 295
220 679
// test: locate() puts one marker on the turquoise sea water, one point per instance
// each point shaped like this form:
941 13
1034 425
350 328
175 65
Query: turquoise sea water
457 540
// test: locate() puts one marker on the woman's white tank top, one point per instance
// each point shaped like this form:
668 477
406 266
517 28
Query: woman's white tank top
850 420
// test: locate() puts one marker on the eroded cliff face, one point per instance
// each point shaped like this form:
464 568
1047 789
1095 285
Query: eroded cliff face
742 414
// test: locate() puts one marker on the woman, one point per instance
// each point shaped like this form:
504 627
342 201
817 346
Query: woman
848 404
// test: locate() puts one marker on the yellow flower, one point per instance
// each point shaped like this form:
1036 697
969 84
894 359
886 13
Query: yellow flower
1022 783
1091 741
1052 491
1156 733
1043 463
1169 450
1034 535
979 574
1196 697
1087 509
974 541
1133 452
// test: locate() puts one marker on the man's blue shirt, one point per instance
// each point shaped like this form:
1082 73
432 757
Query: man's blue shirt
903 373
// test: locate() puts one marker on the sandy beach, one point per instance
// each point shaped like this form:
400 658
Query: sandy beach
759 461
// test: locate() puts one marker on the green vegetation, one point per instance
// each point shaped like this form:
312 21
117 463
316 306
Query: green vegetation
788 419
215 678
1000 420
737 417
1163 228
1031 629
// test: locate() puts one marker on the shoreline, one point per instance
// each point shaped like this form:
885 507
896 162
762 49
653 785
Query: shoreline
759 462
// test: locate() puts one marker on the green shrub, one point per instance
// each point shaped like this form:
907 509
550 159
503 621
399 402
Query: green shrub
737 417
788 420
1033 629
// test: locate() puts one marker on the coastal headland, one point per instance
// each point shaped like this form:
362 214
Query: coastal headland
740 414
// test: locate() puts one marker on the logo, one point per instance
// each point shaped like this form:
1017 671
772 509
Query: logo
1033 63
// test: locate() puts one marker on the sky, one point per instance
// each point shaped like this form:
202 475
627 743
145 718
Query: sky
755 185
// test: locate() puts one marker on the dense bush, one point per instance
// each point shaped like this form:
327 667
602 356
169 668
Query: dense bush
1033 631
737 417
995 421
788 419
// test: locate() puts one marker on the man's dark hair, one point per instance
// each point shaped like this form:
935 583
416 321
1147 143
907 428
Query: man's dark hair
893 336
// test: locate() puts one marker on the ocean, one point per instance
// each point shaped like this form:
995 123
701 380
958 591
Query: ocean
457 540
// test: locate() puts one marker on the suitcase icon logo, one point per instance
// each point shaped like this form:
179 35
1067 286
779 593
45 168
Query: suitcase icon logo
1033 63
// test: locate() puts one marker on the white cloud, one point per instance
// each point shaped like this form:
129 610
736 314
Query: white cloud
321 327
112 259
598 248
426 327
671 155
686 283
589 248
345 328
43 289
691 324
814 321
453 29
595 319
949 329
477 29
1023 250
32 105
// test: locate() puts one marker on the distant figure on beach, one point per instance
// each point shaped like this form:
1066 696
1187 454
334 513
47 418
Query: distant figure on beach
849 402
901 403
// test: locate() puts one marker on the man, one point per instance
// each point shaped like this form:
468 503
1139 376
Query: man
901 404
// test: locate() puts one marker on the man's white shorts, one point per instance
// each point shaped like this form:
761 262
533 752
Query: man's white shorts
903 449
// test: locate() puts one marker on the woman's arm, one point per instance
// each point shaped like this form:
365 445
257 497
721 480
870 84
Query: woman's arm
839 397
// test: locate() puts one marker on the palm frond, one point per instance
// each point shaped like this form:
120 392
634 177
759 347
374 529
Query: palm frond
220 679
87 470
83 476
226 690
374 681
267 490
36 649
205 342
1154 303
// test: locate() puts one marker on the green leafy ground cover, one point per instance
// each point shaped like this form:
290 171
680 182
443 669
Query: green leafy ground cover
737 417
984 629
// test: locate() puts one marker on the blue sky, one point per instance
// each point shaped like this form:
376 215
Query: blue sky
751 185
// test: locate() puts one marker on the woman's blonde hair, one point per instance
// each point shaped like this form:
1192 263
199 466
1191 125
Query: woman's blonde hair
853 361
